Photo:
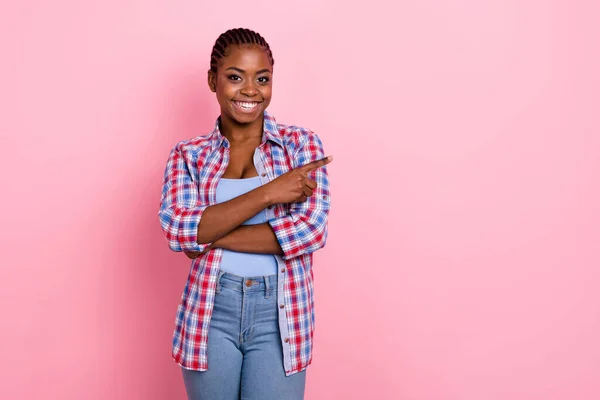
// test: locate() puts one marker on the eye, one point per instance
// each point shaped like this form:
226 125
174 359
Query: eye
264 79
234 78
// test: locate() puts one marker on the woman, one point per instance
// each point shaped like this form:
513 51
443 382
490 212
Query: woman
249 204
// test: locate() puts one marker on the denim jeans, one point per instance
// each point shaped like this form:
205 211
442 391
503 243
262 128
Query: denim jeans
245 358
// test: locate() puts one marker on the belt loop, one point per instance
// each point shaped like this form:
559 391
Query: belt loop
267 288
221 273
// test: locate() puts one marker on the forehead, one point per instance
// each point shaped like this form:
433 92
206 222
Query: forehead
246 57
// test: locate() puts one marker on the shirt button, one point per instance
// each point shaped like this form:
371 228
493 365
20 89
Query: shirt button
248 283
282 269
287 340
281 306
263 174
270 207
324 197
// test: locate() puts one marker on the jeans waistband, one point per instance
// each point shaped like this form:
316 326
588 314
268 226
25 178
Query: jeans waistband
266 284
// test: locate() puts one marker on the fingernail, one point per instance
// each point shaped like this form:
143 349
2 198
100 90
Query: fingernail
330 158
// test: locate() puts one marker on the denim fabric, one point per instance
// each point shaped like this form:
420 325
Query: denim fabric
244 346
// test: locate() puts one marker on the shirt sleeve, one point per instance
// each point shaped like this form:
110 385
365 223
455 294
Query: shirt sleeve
304 229
180 210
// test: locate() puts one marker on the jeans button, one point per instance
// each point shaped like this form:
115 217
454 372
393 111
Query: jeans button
248 283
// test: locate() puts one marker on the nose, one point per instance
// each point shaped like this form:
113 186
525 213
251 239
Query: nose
249 89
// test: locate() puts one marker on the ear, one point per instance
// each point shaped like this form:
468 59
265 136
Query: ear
212 81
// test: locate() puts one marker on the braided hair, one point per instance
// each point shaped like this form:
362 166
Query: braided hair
237 36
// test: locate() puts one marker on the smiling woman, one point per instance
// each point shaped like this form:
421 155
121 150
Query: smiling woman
242 80
248 203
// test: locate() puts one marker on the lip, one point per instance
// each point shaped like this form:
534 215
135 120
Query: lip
245 110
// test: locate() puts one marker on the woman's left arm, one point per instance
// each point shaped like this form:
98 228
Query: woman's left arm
303 230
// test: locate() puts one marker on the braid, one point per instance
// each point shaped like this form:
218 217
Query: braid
238 36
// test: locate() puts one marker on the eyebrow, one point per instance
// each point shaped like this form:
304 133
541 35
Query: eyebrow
241 71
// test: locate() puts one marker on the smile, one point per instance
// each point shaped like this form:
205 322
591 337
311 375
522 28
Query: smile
246 105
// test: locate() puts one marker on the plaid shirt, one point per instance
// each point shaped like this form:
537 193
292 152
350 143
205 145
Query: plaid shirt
193 171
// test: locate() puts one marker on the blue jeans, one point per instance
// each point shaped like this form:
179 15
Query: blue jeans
245 358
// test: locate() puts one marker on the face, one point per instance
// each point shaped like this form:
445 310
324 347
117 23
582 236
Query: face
242 83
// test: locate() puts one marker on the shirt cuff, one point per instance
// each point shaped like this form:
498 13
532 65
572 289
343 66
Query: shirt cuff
285 231
188 229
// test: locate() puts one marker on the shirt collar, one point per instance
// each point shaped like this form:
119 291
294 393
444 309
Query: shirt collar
270 132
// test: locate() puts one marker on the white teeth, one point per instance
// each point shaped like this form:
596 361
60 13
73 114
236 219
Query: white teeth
247 105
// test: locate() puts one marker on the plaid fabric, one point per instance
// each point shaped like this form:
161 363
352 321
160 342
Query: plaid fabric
193 170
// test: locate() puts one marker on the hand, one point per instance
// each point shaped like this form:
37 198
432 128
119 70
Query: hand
294 186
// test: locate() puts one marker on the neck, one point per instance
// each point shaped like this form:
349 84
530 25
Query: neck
236 132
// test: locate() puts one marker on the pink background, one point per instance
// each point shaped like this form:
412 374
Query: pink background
464 250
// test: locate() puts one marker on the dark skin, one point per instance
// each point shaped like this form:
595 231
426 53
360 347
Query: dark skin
243 87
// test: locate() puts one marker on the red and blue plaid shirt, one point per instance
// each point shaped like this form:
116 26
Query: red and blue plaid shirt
193 171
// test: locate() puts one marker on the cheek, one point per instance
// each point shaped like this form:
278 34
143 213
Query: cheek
224 93
267 91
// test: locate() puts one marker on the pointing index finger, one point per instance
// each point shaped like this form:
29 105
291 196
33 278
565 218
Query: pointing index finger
316 164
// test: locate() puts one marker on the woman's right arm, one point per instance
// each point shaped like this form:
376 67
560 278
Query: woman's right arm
294 186
180 209
191 226
220 219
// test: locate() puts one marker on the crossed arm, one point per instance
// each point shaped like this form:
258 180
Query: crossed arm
257 239
195 229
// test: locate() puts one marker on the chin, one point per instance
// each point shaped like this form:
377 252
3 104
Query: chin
247 118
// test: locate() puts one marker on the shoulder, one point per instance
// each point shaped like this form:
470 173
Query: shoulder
296 137
292 137
190 148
